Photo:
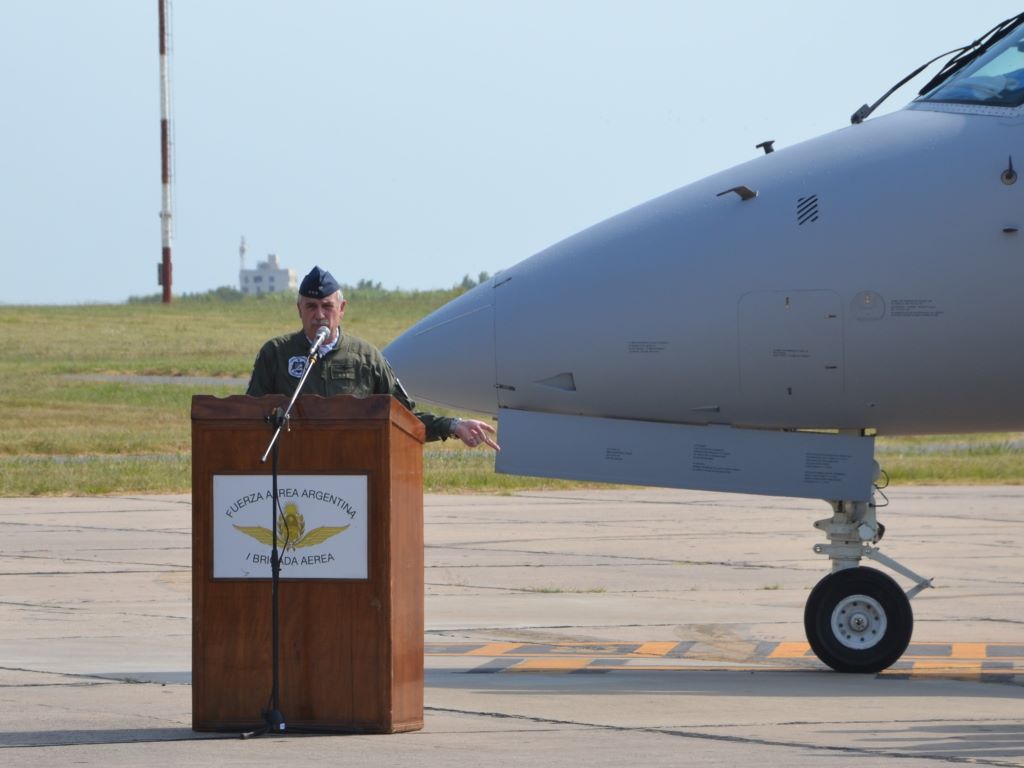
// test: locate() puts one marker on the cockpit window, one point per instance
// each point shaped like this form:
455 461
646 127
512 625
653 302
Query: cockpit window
994 79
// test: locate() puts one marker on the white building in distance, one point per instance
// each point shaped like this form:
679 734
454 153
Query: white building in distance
268 277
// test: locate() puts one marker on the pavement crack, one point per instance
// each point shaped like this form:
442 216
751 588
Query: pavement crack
481 547
96 679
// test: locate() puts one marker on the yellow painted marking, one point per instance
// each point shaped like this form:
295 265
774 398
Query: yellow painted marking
494 649
790 651
946 664
963 660
653 649
969 651
561 664
596 647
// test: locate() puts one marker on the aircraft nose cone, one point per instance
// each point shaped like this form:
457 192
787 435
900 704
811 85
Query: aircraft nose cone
448 357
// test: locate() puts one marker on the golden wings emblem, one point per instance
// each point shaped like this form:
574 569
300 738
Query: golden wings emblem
291 531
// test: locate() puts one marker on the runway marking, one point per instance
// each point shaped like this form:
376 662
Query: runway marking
566 664
949 664
494 649
790 651
969 651
654 649
984 662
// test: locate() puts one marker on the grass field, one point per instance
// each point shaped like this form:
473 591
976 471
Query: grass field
68 430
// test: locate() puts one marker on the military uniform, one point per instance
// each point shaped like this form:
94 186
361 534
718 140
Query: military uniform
352 367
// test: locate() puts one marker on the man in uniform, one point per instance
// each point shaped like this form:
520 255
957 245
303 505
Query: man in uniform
347 365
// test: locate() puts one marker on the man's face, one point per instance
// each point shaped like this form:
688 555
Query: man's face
317 312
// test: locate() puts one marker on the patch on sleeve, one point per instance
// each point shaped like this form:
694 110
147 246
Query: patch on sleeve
296 366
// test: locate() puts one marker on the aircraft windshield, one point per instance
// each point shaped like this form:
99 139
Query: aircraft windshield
994 79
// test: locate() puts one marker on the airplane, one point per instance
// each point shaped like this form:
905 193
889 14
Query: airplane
754 331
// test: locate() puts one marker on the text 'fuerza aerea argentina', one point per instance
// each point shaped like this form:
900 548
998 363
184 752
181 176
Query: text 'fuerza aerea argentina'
320 495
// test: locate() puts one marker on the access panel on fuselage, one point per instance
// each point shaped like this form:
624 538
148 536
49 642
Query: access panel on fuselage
791 347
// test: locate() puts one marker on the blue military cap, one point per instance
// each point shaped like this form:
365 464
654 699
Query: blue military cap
318 284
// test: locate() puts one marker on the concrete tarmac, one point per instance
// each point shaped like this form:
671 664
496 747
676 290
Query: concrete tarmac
596 628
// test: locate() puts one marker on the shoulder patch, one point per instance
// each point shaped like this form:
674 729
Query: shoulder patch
296 366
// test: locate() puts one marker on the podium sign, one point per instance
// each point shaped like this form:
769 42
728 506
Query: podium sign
350 528
321 526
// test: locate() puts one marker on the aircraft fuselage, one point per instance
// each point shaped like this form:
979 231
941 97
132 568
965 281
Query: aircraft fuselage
873 282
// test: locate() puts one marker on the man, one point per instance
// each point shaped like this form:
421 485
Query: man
347 365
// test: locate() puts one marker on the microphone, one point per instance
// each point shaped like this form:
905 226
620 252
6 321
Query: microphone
321 336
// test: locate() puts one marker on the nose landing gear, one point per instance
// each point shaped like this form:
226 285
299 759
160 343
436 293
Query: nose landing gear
858 619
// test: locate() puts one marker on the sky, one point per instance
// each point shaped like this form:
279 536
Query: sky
407 143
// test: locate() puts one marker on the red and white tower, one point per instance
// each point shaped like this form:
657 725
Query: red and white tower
164 272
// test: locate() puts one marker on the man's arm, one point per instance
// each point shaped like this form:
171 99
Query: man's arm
438 427
470 431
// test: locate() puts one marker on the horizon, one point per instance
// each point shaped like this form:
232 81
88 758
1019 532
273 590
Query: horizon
237 295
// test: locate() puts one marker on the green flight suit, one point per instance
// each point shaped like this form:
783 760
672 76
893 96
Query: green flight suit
353 367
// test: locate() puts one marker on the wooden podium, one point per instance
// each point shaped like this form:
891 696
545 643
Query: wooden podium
351 649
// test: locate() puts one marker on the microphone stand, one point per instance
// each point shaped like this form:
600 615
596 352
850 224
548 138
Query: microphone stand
273 719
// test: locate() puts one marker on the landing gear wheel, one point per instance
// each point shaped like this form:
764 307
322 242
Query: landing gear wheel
858 620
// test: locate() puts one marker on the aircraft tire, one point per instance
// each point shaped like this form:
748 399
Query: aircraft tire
858 620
